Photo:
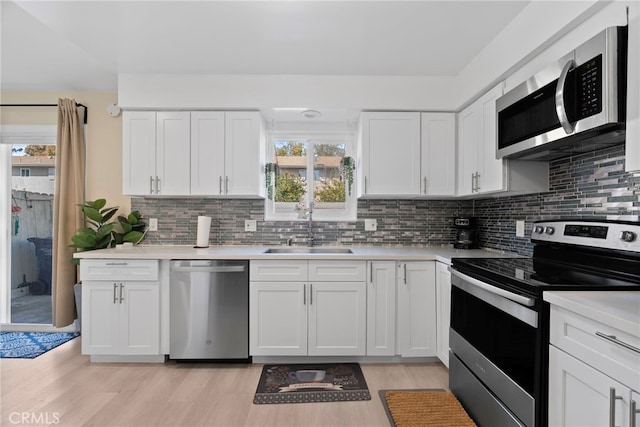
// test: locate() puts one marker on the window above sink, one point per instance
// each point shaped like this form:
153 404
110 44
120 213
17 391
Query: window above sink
309 173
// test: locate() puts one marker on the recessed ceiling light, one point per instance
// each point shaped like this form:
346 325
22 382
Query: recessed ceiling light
311 114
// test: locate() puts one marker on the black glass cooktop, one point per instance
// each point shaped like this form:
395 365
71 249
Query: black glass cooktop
532 276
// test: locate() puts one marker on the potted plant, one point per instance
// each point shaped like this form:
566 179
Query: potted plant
101 232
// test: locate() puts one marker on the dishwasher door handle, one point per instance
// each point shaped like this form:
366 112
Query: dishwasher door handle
219 269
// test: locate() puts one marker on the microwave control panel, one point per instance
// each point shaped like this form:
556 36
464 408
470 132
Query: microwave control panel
588 80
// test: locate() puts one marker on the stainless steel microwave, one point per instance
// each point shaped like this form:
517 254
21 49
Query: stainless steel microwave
573 106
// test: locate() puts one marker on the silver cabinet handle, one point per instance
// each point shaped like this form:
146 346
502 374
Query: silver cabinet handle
115 298
311 294
632 413
117 263
615 340
405 274
560 107
612 406
304 294
157 185
150 185
121 293
226 185
365 185
473 182
477 181
220 185
370 272
425 185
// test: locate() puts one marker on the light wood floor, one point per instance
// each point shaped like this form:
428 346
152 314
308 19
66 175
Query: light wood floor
63 388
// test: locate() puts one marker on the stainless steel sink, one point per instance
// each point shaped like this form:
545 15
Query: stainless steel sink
308 251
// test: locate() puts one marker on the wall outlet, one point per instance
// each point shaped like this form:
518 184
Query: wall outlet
250 225
153 224
370 225
520 228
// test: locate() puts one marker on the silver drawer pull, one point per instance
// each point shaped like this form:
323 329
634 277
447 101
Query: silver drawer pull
615 340
117 263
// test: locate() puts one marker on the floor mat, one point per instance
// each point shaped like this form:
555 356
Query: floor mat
425 408
301 383
28 345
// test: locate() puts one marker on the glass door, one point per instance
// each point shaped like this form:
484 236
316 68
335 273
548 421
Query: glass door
27 188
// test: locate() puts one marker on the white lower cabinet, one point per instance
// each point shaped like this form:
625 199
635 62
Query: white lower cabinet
381 308
594 372
319 317
443 310
580 395
120 316
416 292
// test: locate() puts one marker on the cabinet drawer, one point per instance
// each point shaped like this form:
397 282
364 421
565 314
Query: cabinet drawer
119 269
331 271
278 271
581 337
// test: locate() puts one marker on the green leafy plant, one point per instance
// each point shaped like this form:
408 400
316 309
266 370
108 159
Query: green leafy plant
290 188
271 171
330 190
347 164
101 232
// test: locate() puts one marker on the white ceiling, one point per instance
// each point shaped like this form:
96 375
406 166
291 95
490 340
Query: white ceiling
83 45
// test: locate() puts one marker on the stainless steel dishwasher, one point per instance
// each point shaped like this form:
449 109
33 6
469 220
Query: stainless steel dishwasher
209 310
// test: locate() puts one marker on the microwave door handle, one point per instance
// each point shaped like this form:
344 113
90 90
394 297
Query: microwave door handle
561 111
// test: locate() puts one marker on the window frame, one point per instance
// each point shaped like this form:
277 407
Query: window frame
273 212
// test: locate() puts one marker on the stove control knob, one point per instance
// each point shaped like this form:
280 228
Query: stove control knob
549 230
538 229
628 236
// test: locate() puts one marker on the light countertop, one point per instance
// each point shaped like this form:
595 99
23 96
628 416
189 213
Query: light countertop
442 254
619 309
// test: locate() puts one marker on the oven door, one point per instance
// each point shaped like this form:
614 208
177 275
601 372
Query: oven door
495 342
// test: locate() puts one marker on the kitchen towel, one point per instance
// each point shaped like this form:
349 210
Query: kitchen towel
204 228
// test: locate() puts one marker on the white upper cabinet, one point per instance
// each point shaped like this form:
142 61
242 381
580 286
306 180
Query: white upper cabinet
173 140
207 147
244 154
479 171
138 152
390 154
438 154
181 153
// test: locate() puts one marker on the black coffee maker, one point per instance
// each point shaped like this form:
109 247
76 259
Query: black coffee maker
466 234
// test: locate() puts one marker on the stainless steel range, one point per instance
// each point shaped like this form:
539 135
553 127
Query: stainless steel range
499 334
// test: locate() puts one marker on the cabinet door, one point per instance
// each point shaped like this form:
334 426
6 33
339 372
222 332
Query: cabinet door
417 308
438 154
139 305
207 153
381 308
469 132
491 170
173 153
100 317
138 152
278 319
579 395
337 318
443 310
391 153
244 154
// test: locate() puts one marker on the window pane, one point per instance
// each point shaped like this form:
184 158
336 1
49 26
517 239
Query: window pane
328 188
31 231
291 181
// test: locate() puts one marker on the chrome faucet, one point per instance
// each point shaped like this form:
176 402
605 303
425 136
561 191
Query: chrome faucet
310 226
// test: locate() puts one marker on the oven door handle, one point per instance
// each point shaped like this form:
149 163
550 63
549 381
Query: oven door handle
520 299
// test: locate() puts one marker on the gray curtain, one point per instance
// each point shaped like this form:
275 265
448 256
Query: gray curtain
67 217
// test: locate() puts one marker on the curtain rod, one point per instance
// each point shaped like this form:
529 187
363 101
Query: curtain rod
86 109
